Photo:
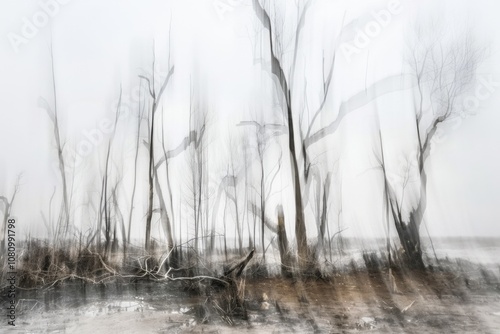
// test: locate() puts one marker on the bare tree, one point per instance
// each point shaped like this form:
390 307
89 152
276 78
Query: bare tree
155 95
164 216
169 227
235 198
63 223
285 256
339 211
136 158
444 71
193 139
283 82
322 200
283 79
237 172
196 162
266 179
106 198
224 221
120 219
390 204
246 154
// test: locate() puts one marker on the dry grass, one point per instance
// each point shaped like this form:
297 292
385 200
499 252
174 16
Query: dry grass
42 264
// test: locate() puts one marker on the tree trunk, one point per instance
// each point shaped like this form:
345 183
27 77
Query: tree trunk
283 245
150 181
409 233
300 227
165 220
279 74
135 179
409 236
239 226
262 208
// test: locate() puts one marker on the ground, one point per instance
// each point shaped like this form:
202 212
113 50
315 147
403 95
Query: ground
451 300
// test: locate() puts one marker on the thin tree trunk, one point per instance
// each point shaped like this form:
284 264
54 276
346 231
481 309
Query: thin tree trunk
238 223
324 216
151 170
225 229
60 155
165 220
408 233
262 208
107 230
135 177
99 218
149 216
279 74
283 244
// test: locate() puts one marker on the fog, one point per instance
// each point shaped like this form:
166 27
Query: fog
100 46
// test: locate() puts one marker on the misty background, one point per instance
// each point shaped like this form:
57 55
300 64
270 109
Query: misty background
99 47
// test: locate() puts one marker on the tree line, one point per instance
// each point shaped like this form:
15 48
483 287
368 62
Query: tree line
438 73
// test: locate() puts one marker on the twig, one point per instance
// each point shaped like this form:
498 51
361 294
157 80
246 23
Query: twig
408 307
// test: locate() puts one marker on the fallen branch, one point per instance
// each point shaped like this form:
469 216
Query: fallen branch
408 307
240 265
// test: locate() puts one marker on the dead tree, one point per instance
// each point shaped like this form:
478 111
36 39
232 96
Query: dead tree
283 82
195 139
237 269
283 79
285 256
164 217
340 209
167 220
233 169
322 200
120 219
63 222
136 158
155 95
106 198
197 162
390 201
251 241
227 182
224 223
228 187
263 134
443 71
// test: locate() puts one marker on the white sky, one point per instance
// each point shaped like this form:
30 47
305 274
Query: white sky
99 45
